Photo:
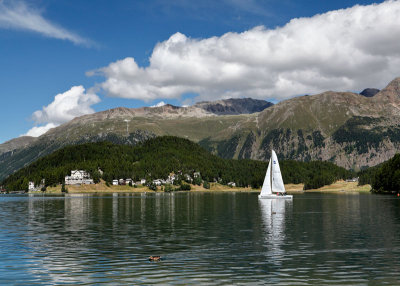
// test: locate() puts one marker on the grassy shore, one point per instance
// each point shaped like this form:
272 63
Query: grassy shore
337 187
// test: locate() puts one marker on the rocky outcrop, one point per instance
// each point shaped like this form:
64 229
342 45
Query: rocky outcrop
234 106
369 92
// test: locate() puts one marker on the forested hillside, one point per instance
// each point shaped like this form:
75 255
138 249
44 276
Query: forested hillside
386 177
157 158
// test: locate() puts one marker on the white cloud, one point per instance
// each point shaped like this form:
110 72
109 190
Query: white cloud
39 130
161 103
18 15
65 107
347 49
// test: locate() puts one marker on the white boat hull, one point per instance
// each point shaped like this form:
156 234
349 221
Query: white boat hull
273 196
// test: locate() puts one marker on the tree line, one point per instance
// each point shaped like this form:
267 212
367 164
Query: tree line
156 158
383 178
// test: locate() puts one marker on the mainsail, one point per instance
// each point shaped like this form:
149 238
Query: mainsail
277 181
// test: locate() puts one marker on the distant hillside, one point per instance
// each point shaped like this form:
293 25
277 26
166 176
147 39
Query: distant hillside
16 143
156 158
234 106
351 130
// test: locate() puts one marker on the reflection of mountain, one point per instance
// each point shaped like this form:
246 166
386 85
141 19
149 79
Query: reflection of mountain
273 213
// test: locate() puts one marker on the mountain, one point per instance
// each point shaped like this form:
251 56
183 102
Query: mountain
16 143
369 92
349 129
234 106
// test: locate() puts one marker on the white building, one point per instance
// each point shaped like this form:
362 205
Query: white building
31 186
115 182
188 178
171 178
157 182
78 177
143 181
232 184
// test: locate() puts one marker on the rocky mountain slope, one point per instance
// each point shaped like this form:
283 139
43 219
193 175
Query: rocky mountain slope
234 106
349 129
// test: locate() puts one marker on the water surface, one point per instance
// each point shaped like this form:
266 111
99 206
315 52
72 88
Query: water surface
208 238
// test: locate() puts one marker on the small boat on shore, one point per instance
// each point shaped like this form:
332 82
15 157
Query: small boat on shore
273 187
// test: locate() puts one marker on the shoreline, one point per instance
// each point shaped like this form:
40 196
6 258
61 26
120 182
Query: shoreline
101 188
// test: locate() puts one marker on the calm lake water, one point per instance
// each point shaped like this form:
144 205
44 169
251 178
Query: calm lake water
204 238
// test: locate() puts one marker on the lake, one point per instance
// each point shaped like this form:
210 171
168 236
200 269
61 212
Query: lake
203 238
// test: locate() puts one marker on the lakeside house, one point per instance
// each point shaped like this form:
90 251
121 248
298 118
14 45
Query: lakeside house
124 182
78 177
232 184
188 178
171 178
33 188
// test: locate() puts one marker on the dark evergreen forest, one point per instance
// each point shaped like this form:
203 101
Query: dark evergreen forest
385 178
158 157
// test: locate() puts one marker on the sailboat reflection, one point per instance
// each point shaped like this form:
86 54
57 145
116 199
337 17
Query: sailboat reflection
273 215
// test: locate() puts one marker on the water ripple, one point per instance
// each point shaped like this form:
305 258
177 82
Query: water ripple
211 239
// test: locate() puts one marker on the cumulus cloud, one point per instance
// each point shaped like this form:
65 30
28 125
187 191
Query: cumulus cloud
18 15
39 130
347 49
66 106
161 103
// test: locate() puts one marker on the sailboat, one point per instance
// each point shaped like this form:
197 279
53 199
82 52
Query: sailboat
273 187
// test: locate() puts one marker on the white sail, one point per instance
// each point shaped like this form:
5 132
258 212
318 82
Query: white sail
277 181
266 188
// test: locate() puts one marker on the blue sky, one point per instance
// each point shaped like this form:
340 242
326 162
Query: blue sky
138 53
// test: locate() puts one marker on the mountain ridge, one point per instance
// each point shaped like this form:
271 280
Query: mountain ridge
348 129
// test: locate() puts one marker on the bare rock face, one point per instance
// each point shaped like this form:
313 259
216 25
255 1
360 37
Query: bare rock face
391 91
369 92
16 143
234 106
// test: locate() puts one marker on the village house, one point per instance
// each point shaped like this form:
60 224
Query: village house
188 178
115 182
157 182
196 174
31 187
78 177
171 178
143 182
232 184
122 182
129 181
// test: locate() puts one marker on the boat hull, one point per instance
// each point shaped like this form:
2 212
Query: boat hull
285 197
